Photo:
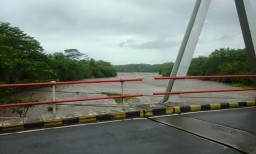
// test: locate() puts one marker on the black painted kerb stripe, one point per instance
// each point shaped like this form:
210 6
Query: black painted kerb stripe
133 114
184 108
224 105
70 121
242 104
205 107
104 117
34 125
160 111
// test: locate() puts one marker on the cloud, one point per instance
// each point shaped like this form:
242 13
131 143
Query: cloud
155 44
128 43
121 29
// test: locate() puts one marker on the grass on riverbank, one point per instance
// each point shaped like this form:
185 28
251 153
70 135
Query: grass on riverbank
119 100
240 85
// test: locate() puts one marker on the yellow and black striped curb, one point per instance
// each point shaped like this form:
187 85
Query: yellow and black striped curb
54 120
169 109
214 106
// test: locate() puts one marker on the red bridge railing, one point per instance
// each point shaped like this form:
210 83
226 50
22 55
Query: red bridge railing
69 100
203 77
67 82
53 84
201 91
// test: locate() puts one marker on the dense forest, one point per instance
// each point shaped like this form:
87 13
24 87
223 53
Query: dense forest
22 59
161 68
220 62
224 61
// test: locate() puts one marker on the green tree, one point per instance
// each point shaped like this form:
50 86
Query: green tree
21 56
198 66
75 54
224 61
160 68
22 60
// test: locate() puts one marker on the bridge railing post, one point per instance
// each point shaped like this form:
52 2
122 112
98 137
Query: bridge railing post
123 100
53 98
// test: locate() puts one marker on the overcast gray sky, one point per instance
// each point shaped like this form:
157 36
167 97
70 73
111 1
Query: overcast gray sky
123 31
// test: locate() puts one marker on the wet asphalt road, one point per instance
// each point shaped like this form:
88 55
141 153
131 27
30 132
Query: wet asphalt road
234 128
243 119
172 134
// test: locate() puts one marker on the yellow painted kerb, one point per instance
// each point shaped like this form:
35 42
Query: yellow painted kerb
119 115
52 123
87 119
233 104
195 107
176 109
250 103
169 110
215 106
141 113
148 112
12 128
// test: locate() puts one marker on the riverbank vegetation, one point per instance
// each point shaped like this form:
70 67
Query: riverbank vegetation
224 61
161 68
22 59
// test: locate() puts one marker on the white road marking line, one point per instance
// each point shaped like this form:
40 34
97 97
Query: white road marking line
218 110
69 126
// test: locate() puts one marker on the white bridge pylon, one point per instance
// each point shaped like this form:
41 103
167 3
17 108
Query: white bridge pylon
188 45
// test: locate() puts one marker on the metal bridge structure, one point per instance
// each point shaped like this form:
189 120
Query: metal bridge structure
194 28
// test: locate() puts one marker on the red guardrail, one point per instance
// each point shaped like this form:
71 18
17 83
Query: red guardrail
67 82
205 77
200 91
70 100
9 117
